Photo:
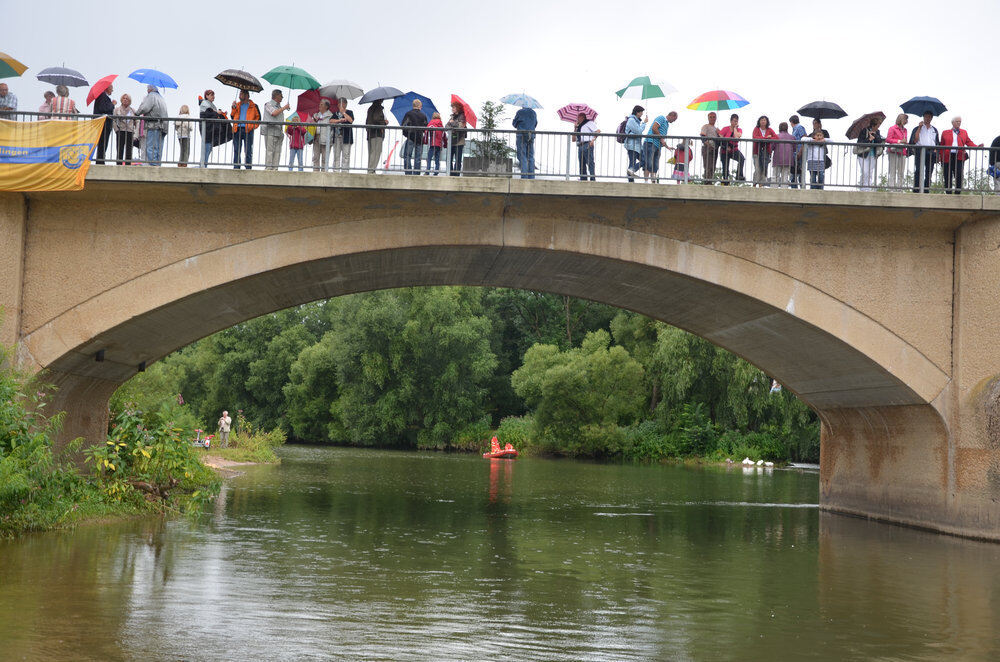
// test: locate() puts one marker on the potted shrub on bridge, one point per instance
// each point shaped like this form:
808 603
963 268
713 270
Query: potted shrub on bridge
489 153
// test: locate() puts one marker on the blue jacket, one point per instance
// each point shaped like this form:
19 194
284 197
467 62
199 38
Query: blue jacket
525 120
634 128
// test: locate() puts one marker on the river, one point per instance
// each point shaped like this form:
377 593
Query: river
379 555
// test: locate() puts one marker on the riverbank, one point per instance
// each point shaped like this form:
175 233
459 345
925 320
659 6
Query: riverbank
228 468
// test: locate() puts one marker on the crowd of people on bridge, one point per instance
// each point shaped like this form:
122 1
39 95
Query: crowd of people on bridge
787 157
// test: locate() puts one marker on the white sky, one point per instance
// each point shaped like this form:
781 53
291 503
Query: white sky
558 52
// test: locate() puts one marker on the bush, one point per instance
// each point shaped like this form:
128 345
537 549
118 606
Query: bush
517 431
473 436
647 441
249 445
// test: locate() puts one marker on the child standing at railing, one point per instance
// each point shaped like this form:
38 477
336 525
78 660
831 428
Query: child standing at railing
682 157
435 141
296 141
183 131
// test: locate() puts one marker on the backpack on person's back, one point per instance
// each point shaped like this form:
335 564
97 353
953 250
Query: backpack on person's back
621 131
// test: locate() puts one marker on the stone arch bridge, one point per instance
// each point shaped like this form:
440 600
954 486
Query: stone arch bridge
880 310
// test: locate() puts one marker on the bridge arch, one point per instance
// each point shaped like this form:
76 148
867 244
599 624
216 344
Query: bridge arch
828 353
143 263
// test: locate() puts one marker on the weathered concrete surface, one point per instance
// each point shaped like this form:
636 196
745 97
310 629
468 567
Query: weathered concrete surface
12 231
846 298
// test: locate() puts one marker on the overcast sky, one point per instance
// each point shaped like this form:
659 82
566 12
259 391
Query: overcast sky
780 55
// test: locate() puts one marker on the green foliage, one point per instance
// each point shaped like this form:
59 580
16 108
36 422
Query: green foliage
581 396
473 437
516 431
432 367
411 365
248 444
40 489
489 145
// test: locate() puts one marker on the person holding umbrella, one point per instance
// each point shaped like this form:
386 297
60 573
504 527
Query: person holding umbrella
586 131
344 136
954 158
104 105
245 115
274 119
897 155
155 110
375 118
414 146
633 140
62 104
868 149
925 137
730 138
710 147
457 124
525 121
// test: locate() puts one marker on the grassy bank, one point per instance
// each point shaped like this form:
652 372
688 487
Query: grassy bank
249 445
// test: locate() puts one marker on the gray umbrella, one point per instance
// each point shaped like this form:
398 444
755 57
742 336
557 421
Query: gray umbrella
380 93
62 76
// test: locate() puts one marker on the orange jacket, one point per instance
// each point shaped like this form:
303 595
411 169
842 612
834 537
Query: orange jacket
253 113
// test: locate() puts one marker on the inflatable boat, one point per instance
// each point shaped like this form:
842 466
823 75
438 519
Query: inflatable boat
496 452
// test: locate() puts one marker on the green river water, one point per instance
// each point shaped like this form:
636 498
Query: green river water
378 555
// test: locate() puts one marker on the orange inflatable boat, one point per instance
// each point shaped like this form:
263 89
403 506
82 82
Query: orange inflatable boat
507 451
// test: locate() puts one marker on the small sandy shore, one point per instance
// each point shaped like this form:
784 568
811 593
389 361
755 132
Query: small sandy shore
223 467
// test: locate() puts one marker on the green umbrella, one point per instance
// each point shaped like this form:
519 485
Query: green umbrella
9 67
291 77
643 88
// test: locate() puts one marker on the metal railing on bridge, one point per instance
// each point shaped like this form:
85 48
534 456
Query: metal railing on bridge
556 155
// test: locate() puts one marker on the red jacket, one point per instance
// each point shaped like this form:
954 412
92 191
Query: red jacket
435 138
948 139
769 134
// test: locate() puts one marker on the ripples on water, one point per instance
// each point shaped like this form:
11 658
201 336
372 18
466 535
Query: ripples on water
348 554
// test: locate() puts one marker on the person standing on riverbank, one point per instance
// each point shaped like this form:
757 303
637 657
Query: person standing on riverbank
225 424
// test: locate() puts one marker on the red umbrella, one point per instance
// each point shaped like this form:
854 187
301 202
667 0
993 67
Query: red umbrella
570 112
308 102
99 87
470 115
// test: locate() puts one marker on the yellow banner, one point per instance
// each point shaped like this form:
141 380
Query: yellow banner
46 156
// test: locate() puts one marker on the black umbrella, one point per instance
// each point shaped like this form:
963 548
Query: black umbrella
822 110
380 94
862 123
62 76
239 79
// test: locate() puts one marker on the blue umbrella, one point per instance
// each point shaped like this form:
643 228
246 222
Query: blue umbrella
402 105
522 100
920 105
153 77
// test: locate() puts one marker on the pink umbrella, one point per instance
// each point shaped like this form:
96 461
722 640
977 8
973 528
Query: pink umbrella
99 87
570 112
308 102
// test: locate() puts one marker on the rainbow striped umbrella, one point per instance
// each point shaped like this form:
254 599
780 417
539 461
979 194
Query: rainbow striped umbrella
718 100
9 67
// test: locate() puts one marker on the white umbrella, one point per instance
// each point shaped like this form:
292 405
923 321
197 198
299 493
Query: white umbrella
341 89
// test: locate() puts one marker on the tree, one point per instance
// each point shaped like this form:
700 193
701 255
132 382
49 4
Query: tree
411 366
581 396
